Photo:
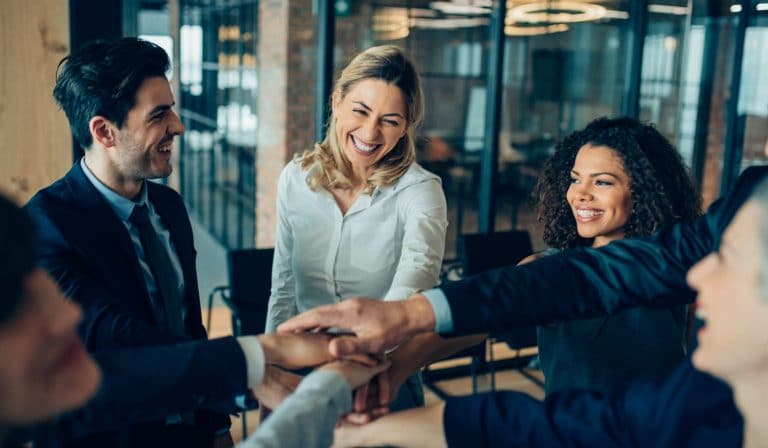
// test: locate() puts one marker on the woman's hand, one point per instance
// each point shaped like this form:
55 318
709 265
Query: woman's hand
354 372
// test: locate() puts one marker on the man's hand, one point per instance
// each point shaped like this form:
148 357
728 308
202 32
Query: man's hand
377 325
276 386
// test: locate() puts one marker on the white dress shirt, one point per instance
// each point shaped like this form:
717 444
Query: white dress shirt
389 243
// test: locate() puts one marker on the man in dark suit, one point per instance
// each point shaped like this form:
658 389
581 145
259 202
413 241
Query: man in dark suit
118 245
690 408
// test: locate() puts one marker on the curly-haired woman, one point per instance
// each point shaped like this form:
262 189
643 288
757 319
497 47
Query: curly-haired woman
616 178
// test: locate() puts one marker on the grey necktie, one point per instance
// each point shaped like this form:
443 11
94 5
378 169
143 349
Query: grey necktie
160 263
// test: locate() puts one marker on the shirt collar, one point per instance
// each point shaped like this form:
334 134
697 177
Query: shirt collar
123 207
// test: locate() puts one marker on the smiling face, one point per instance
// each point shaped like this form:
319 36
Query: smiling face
46 371
734 340
143 148
599 194
370 121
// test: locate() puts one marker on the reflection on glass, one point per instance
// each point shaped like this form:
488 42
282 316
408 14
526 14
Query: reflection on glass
218 82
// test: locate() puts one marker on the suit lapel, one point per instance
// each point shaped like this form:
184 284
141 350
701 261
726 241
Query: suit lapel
103 236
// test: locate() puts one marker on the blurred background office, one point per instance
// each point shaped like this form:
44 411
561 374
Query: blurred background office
504 81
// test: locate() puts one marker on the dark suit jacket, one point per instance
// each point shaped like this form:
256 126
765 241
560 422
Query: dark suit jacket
88 251
148 383
590 283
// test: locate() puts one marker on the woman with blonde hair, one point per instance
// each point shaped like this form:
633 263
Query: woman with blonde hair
357 216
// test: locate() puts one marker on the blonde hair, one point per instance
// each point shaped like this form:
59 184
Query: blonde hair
330 167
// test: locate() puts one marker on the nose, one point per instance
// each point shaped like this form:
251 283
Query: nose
176 127
583 192
370 130
699 272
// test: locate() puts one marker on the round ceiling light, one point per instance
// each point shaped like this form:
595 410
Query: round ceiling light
555 12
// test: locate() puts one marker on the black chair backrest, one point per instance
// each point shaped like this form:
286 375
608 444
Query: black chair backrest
483 251
250 279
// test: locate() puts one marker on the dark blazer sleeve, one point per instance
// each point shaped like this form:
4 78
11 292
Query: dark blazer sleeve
109 321
149 383
581 283
689 409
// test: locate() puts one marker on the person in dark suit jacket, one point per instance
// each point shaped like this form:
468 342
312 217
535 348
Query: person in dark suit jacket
118 245
74 393
690 408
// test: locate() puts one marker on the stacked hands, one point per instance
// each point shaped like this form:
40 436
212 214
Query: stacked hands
358 354
372 329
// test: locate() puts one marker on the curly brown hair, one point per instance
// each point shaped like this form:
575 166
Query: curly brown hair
660 185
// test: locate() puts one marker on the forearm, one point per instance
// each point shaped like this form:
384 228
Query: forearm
581 283
424 349
307 417
422 428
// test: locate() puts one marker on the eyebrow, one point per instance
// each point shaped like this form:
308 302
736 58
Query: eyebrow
161 108
391 114
607 173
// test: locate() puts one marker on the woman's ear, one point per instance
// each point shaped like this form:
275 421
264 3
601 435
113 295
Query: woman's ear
335 101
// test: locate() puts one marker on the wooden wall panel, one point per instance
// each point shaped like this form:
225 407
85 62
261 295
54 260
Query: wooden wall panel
35 141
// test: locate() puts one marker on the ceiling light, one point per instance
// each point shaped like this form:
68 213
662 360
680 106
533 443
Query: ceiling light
514 31
762 7
450 23
736 9
669 9
556 12
390 24
464 8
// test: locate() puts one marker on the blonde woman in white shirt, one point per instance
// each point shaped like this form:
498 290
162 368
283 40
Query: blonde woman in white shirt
357 216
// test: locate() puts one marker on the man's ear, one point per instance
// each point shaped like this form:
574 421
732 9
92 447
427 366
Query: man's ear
103 131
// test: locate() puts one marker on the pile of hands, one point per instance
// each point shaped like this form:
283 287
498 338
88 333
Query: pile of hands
373 378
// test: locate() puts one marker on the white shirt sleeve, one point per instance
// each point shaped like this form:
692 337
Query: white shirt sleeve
308 416
423 209
282 299
255 363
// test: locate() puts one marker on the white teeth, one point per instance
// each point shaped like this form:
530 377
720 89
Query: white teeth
588 213
361 146
700 314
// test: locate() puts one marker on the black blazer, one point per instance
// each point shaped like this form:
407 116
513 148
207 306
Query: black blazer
689 408
88 251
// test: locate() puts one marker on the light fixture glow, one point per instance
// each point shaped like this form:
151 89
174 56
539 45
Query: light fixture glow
736 9
465 9
450 23
668 9
556 12
762 7
390 23
516 31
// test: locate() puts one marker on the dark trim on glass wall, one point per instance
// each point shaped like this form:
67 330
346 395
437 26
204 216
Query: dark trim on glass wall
326 32
638 15
489 166
703 103
734 124
90 20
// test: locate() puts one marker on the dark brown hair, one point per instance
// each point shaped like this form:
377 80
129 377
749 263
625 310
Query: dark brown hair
661 187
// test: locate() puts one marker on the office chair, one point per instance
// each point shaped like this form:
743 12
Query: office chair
485 251
247 295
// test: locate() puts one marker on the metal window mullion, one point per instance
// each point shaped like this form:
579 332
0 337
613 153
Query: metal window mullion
489 165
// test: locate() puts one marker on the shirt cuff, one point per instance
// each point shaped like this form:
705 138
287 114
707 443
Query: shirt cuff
254 359
331 385
439 302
